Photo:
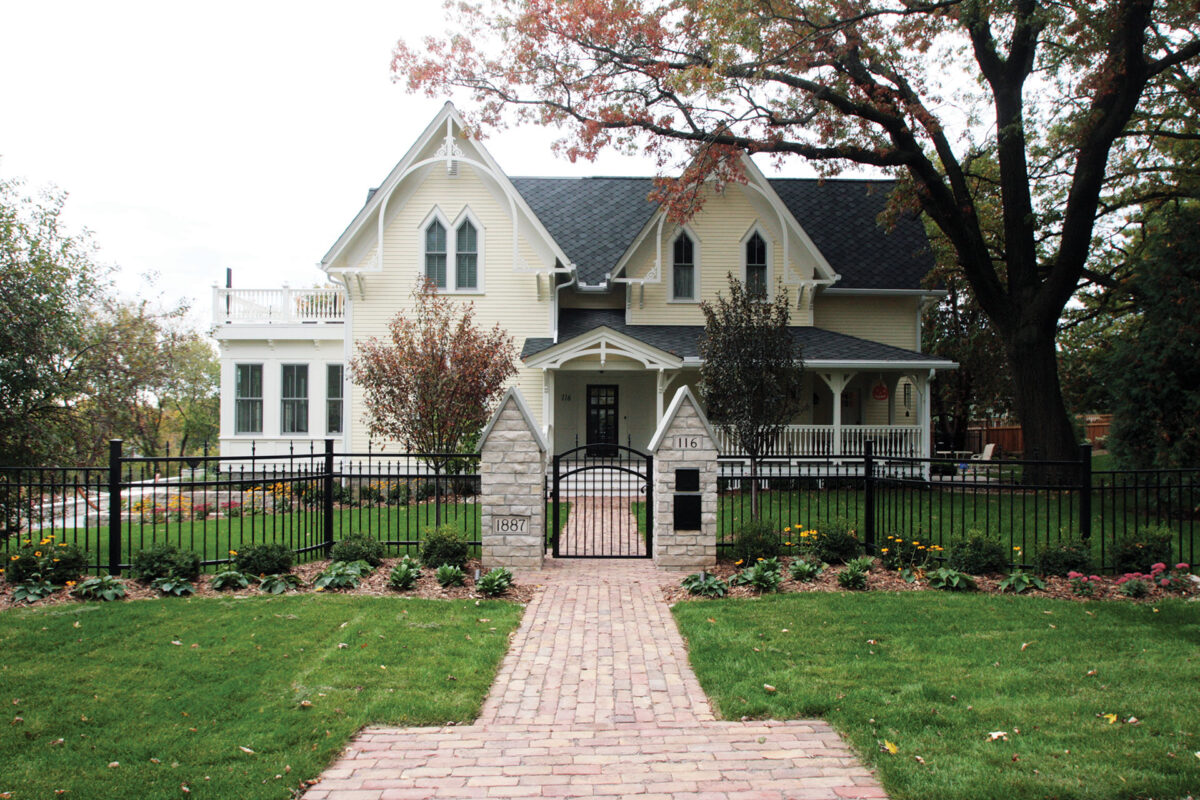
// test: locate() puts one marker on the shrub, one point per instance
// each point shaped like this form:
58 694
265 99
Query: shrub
495 583
1065 557
804 570
278 584
263 559
756 539
1140 552
165 561
705 585
865 563
977 555
1133 586
853 577
906 554
836 544
1018 581
1083 585
951 580
173 586
358 548
444 545
56 562
404 574
764 576
102 587
449 575
422 490
229 579
342 575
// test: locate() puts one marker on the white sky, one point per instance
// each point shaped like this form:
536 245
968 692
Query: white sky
192 138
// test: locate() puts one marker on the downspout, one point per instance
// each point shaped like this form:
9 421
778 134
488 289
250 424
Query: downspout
571 270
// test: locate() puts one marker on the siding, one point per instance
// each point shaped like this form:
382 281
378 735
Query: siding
888 320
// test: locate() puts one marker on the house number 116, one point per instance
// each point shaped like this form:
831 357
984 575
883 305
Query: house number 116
687 442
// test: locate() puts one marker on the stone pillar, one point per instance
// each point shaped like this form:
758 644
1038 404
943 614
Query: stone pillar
684 440
512 474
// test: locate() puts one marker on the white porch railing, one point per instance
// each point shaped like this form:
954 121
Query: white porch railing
278 306
891 441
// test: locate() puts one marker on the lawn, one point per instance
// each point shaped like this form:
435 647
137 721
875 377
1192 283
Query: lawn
298 528
940 676
207 694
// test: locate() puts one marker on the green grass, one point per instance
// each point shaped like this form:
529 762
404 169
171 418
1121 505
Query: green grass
935 673
190 682
298 528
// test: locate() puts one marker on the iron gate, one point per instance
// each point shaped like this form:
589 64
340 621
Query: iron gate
602 503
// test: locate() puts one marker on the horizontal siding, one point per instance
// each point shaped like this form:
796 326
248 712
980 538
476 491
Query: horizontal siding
888 320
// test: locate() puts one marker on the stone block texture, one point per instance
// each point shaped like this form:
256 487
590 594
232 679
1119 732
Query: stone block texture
685 550
512 473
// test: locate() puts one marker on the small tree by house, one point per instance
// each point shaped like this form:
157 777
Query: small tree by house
431 386
751 374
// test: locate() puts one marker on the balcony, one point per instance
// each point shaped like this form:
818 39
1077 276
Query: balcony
279 306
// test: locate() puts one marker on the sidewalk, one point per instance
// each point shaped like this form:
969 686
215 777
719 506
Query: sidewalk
595 699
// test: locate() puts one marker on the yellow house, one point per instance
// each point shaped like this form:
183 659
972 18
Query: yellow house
602 294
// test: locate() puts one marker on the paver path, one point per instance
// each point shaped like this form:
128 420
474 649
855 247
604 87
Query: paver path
596 699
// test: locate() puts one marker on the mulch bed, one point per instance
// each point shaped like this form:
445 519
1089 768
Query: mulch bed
375 584
890 581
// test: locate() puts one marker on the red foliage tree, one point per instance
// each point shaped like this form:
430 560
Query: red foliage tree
1014 124
431 387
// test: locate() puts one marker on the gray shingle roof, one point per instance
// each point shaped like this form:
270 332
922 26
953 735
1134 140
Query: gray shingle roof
683 341
595 220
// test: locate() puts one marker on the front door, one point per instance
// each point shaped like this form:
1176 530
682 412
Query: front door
601 421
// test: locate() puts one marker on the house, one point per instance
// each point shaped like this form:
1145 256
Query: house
602 294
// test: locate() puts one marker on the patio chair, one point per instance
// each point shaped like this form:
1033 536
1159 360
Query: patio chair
981 464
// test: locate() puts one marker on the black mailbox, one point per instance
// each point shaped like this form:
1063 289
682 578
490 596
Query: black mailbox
687 500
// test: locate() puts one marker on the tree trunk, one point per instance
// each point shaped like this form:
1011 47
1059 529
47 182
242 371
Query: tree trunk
754 487
1045 424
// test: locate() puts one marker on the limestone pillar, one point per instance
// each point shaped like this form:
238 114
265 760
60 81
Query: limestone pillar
512 473
684 441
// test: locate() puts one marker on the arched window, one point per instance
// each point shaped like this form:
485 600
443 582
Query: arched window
435 253
466 257
756 266
683 269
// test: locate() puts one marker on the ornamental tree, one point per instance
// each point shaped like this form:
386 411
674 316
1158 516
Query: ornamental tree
431 386
1020 127
752 372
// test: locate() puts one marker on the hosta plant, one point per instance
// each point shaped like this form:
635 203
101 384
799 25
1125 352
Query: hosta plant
404 575
102 587
853 577
804 570
705 585
495 583
279 583
33 589
173 586
449 575
342 575
230 579
951 580
762 576
864 563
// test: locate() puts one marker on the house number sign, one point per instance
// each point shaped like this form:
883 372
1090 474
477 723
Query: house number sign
510 524
687 442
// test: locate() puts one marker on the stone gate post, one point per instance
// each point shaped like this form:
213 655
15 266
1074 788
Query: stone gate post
685 487
512 475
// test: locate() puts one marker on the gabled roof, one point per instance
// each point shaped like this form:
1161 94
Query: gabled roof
817 345
595 220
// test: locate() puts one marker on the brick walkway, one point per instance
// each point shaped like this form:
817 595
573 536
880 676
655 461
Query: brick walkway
596 699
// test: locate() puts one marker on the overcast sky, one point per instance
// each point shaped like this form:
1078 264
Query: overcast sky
192 138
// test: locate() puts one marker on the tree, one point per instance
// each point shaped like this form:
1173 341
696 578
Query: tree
751 372
431 386
50 288
1152 374
1017 126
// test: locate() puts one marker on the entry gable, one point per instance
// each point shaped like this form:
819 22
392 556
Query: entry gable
604 343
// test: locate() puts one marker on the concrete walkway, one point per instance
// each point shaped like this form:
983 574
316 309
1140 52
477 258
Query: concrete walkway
596 699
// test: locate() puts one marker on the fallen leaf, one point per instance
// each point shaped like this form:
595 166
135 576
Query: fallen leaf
710 619
768 687
1091 672
1016 757
76 624
306 704
183 787
1110 717
919 760
1025 644
342 645
17 721
245 749
177 643
155 761
890 747
57 742
114 764
194 646
484 619
994 735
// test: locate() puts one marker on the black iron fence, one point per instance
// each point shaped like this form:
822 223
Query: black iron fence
212 505
1029 505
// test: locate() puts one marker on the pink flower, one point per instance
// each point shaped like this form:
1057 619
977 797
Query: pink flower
1164 582
1095 578
1181 565
1159 567
1074 575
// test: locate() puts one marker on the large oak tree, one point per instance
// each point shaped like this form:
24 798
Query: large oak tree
1018 126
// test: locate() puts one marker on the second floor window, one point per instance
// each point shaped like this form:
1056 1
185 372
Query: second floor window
466 257
683 275
333 398
435 254
293 416
248 402
756 266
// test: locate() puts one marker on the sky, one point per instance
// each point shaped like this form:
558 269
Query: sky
192 138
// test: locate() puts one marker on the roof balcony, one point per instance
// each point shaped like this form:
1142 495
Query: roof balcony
279 306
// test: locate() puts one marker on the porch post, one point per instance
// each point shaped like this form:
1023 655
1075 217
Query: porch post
837 382
892 384
926 415
548 405
661 390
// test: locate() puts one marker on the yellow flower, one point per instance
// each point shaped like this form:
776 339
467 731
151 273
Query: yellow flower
56 560
787 529
62 544
915 541
787 544
38 553
760 559
233 552
883 549
737 563
14 558
70 584
320 589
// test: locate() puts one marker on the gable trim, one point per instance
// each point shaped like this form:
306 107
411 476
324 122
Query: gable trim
604 342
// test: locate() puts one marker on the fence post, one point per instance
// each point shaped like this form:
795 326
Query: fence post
869 496
1085 491
554 517
114 507
327 496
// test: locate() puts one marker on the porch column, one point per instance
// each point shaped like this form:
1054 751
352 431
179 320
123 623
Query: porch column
548 406
837 382
926 415
892 383
661 388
